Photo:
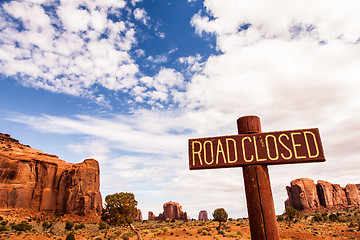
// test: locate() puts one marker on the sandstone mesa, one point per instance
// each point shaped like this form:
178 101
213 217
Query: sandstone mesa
305 195
172 210
203 215
43 183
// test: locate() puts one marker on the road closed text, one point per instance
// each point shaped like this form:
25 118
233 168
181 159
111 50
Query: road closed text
262 148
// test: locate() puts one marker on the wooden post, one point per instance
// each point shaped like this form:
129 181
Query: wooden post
260 204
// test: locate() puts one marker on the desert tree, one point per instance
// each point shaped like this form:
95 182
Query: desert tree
120 210
220 215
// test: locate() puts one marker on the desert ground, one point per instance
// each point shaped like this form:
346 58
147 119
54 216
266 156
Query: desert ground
343 224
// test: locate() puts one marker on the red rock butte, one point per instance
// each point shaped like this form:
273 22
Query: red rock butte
172 210
305 195
43 183
203 215
139 216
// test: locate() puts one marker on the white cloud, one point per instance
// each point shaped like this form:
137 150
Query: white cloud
70 14
169 77
161 34
329 19
191 59
130 136
141 15
161 58
140 52
92 149
72 60
194 62
158 59
133 2
101 100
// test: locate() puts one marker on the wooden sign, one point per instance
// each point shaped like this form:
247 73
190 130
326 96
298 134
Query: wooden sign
285 147
254 150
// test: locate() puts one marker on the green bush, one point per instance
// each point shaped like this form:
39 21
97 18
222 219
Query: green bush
70 236
317 218
47 225
3 228
4 223
204 232
334 217
351 225
1 218
69 225
279 218
201 230
291 215
79 226
102 225
23 226
125 236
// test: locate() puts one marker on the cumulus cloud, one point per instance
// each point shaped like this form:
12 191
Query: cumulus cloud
162 89
193 62
265 69
326 20
74 47
141 15
70 49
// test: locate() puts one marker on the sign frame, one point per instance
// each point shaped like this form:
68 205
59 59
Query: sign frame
264 148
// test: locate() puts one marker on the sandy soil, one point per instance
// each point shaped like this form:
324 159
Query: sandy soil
346 226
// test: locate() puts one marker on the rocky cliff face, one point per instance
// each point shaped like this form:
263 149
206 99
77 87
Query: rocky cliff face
305 195
172 210
34 180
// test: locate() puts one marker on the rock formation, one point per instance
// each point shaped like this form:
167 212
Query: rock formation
302 194
31 179
331 195
306 196
152 216
172 210
139 216
203 215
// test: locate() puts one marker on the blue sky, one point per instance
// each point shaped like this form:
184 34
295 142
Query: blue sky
129 82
